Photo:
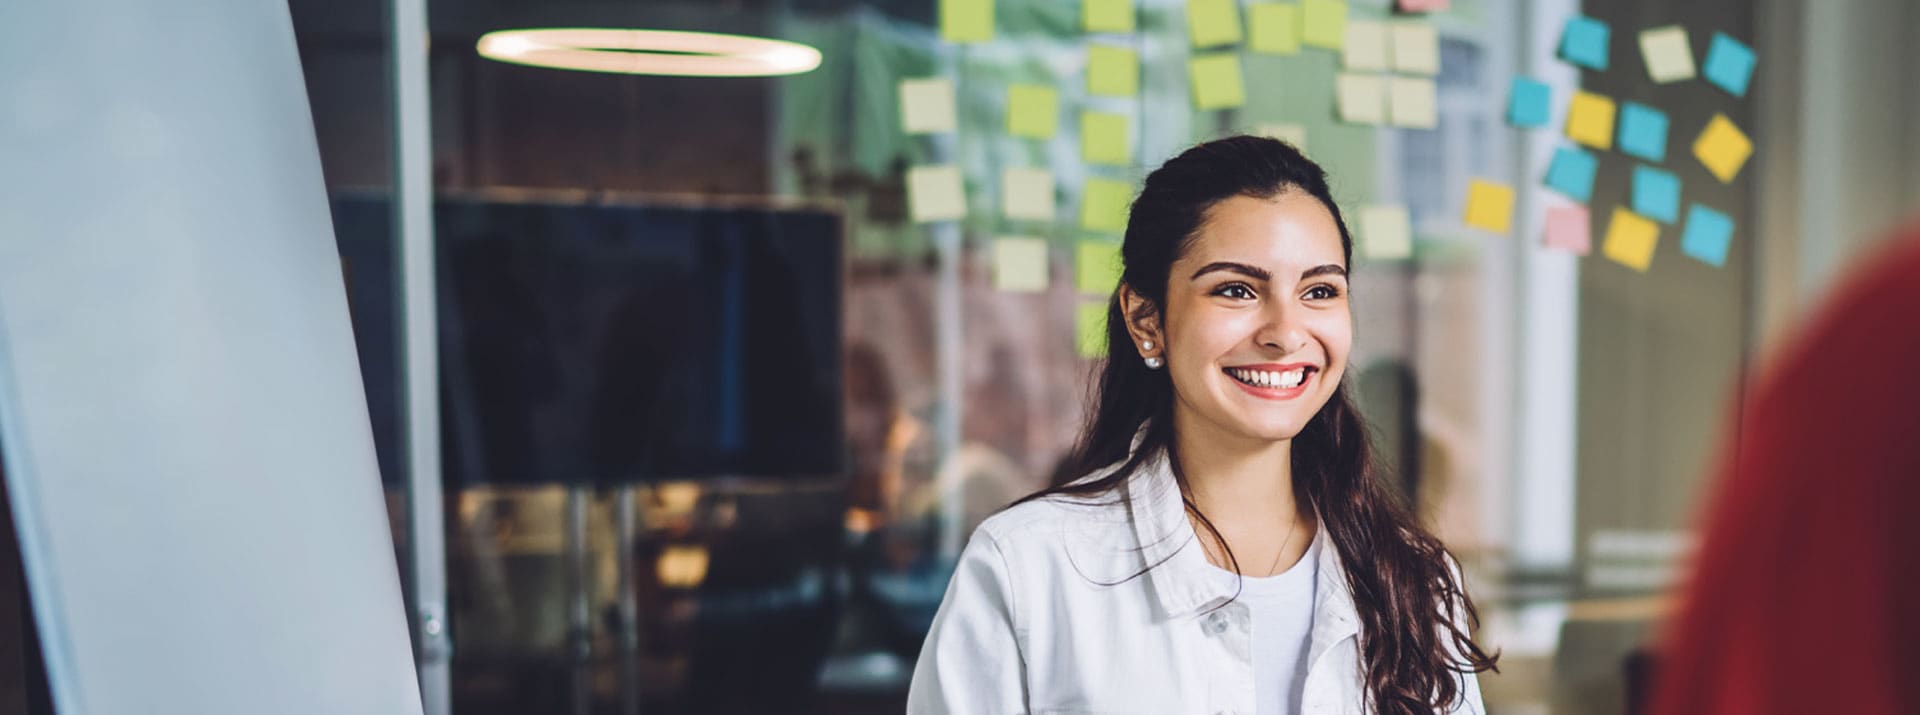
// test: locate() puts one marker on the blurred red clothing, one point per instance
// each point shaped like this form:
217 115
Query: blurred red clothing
1805 595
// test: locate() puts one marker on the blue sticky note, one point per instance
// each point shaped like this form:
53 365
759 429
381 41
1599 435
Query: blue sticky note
1571 173
1585 42
1527 104
1707 235
1643 131
1729 64
1656 194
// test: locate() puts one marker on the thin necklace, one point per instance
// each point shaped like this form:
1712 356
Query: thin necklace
1291 523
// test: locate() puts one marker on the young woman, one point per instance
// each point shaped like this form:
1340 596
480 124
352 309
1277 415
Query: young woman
1221 430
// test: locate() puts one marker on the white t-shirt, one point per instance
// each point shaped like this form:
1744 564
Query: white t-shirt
1282 611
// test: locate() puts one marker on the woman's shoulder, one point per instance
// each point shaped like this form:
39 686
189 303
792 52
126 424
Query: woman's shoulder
1051 519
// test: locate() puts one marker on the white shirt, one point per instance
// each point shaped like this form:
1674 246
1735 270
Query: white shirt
1040 617
1281 607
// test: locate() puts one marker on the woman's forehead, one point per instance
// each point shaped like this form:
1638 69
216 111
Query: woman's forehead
1286 230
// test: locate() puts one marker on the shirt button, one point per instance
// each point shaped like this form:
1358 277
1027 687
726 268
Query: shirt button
1216 623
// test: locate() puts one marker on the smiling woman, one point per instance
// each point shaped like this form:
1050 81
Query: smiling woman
1232 431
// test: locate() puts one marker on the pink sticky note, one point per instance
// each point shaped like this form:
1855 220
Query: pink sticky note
1569 229
1422 5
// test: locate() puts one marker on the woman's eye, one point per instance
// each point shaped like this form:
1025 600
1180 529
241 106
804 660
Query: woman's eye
1322 292
1237 291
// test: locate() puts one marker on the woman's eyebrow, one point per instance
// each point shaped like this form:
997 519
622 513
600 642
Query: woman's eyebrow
1254 272
1327 269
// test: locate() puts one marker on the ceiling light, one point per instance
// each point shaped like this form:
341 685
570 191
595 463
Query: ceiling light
659 52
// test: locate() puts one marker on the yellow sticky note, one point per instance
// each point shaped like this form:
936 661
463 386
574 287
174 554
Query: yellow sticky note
1490 205
1416 48
1027 194
1020 264
1631 239
1723 148
1103 205
926 106
1033 111
1113 71
1294 134
1362 97
1365 49
1107 15
1590 120
1097 267
1090 330
935 193
966 20
1216 81
1413 102
1386 232
1323 23
1104 139
1212 23
1274 28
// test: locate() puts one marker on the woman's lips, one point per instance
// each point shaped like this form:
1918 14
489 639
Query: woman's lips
1277 393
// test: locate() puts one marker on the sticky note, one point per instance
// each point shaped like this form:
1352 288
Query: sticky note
1723 148
1362 97
1107 15
1590 120
1584 42
1489 205
1416 48
1630 240
1729 64
1216 81
1027 194
1669 57
1020 264
1033 111
1656 194
1273 28
1569 229
926 106
1413 103
1707 235
1365 48
1090 330
1104 139
1571 173
1323 23
1103 205
935 193
1097 266
1212 23
1528 102
1113 71
1295 134
1422 5
1643 131
1385 231
964 21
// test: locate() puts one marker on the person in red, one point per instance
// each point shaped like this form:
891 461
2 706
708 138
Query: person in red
1805 595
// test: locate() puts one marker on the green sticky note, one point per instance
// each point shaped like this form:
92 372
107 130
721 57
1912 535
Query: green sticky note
1107 15
1103 205
1020 264
1104 139
1323 24
1212 23
1097 266
1033 111
1113 71
1216 81
1090 330
1274 28
966 20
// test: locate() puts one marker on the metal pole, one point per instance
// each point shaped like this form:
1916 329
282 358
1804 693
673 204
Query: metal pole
579 602
626 523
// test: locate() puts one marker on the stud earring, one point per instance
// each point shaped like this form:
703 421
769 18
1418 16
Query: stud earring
1146 345
1154 363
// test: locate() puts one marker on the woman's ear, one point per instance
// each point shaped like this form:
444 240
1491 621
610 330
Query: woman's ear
1143 323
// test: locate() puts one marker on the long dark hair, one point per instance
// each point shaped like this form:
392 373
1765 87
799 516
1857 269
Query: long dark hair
1408 597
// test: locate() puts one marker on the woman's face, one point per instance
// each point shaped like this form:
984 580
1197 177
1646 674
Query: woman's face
1257 327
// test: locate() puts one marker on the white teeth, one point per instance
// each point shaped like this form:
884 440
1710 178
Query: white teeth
1263 378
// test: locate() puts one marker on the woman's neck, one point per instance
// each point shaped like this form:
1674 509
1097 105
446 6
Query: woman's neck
1242 485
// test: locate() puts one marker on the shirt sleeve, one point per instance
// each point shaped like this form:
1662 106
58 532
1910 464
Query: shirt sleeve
971 660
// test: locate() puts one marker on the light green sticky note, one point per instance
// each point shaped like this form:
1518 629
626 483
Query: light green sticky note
926 106
1090 330
1216 81
935 193
966 20
1416 48
1097 266
1386 232
1274 28
1033 111
1323 23
1027 194
1020 264
1212 23
1362 97
1107 15
1413 102
1366 47
1104 139
1103 205
1113 71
